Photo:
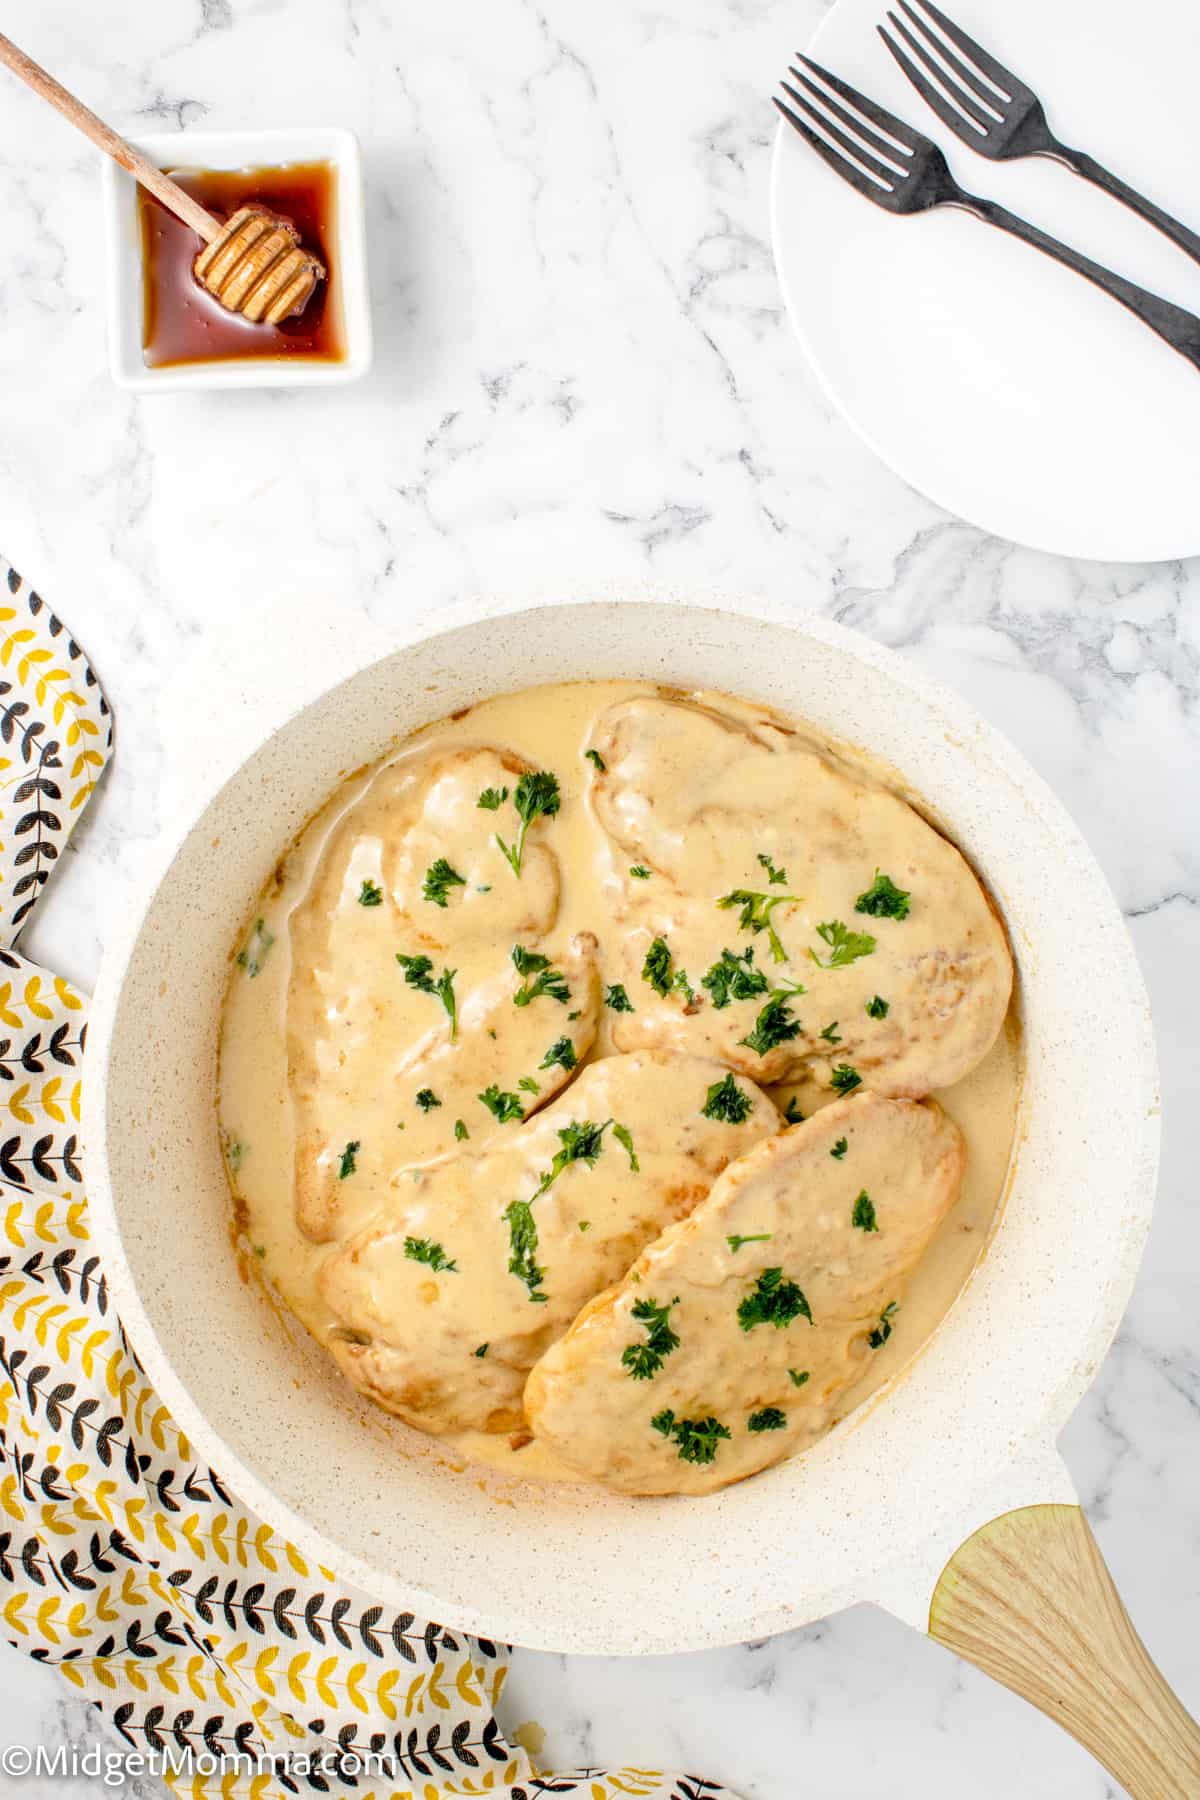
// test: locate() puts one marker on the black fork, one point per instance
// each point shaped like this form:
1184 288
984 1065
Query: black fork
896 168
994 111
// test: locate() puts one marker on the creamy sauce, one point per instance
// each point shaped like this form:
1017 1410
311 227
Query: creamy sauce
546 728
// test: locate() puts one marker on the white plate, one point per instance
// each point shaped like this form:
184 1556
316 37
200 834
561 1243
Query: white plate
997 383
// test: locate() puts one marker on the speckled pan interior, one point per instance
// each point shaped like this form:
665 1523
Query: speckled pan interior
560 1568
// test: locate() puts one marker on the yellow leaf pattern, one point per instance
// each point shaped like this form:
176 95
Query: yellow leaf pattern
124 1562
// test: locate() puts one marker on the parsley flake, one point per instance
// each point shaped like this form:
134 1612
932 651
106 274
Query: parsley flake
579 1143
798 1377
547 980
844 1079
639 871
657 967
877 1008
756 914
427 1100
767 1418
424 1250
727 1102
846 945
736 1240
774 1024
252 958
830 1033
774 1300
370 894
440 877
697 1438
492 799
537 797
792 1113
528 1085
624 1137
597 761
418 973
461 1134
734 978
348 1164
839 1149
561 1054
883 1331
616 997
481 1352
863 1216
645 1360
503 1107
883 899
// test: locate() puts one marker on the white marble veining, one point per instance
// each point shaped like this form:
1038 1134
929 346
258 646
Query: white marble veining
583 371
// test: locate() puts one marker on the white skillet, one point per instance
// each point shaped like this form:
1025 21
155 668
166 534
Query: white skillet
962 1440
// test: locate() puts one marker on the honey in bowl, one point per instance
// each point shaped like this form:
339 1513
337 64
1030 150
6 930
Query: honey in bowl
181 323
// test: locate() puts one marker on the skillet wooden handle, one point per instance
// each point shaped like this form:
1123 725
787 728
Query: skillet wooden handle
168 191
1029 1600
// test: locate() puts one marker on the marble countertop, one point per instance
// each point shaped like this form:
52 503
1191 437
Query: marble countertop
583 371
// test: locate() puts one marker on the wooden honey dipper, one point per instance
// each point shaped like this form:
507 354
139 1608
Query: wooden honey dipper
252 263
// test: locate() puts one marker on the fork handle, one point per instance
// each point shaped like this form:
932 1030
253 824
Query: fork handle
1172 323
1103 178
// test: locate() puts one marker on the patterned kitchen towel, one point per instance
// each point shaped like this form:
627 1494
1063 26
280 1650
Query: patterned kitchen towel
217 1650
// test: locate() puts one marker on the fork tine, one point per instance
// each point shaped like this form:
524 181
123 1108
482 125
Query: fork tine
837 162
932 96
995 72
888 152
886 177
967 76
965 101
870 110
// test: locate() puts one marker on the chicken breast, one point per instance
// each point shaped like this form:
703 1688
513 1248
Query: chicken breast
475 1264
785 916
728 1344
421 979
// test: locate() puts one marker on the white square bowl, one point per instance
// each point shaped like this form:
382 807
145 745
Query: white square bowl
238 150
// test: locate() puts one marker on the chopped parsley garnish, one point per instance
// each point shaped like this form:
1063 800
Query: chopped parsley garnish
418 972
258 943
736 1240
503 1107
846 945
697 1438
561 1054
774 1024
492 799
773 1301
440 877
522 1244
461 1134
616 997
528 1085
683 986
756 914
579 1143
830 1033
767 1418
645 1360
370 894
883 1331
844 1079
547 980
777 877
482 1351
537 797
427 1100
839 1149
235 1152
348 1163
595 758
639 871
798 1377
863 1216
734 978
624 1137
792 1113
424 1250
877 1008
657 967
728 1102
585 1224
883 899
